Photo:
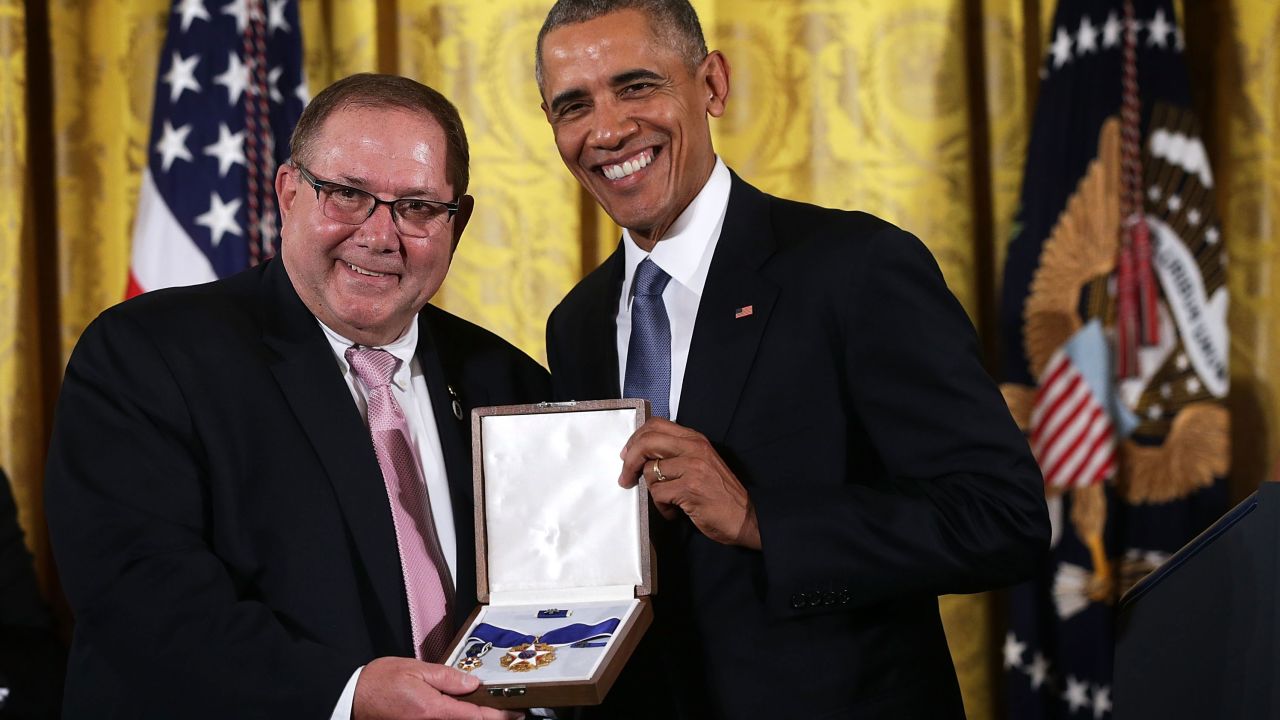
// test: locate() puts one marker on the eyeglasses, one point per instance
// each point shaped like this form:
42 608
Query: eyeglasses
416 217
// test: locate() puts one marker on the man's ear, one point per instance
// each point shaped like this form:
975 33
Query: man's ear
466 204
715 77
286 189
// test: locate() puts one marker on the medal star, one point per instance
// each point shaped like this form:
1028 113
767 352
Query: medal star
1111 32
229 149
1077 694
1158 30
1061 48
235 78
1013 651
527 656
173 145
190 10
1086 37
220 218
182 76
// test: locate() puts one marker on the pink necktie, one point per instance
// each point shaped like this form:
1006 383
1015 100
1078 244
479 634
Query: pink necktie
426 580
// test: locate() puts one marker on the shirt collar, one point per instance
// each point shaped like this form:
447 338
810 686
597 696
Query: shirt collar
402 348
683 252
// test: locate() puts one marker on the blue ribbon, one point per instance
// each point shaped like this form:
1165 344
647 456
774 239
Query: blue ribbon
567 635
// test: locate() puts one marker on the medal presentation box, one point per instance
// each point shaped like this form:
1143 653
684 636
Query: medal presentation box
564 568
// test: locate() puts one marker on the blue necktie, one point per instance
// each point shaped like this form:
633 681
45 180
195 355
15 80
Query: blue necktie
649 351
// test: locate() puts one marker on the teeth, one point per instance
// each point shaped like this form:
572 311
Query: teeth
617 172
362 271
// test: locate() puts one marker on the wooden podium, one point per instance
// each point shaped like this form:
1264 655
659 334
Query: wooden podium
1198 637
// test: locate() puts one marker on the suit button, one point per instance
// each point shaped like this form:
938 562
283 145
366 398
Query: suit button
799 601
829 598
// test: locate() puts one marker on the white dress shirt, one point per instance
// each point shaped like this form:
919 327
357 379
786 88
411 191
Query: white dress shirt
409 387
685 254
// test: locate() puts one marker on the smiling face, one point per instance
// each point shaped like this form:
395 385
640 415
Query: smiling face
367 281
630 118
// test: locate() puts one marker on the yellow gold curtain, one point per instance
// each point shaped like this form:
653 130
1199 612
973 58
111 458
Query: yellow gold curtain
916 110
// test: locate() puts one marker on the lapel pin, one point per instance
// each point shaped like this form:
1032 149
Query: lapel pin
744 311
457 406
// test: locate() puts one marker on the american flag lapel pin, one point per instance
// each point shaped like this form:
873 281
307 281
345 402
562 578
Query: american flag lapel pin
744 311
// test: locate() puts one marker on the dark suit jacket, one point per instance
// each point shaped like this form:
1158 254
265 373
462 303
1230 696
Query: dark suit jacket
216 508
882 462
32 658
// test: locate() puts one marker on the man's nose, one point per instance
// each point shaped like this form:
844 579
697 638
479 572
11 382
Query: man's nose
613 125
379 232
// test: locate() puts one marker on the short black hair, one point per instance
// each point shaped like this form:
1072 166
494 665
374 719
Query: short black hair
674 22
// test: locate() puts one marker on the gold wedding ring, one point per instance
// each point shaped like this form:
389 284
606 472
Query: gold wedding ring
657 473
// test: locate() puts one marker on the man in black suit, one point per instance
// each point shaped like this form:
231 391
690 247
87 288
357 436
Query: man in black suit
32 658
836 456
220 517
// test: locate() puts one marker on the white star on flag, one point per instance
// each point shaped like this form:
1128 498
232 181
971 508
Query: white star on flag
1159 29
1077 694
173 145
239 9
1101 702
275 16
1038 670
229 149
235 78
1013 651
190 10
182 76
273 83
1111 32
1087 37
1061 48
220 218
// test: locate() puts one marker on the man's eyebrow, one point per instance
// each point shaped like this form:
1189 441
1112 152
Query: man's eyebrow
623 78
567 96
631 76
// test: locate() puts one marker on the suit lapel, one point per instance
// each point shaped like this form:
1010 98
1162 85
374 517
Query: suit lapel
455 443
735 307
597 343
312 384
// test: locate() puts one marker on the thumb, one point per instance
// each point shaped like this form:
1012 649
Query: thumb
448 680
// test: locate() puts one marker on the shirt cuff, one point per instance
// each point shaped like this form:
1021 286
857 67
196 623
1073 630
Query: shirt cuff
342 711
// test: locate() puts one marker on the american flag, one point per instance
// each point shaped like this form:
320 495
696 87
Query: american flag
229 90
1072 433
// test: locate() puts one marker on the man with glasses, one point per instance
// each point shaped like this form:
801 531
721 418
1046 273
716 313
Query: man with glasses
259 490
829 453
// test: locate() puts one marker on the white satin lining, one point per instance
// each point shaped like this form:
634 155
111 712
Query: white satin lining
557 524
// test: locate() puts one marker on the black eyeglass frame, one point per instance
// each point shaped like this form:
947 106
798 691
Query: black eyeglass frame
317 184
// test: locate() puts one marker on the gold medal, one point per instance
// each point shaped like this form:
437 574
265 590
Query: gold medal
471 656
528 656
